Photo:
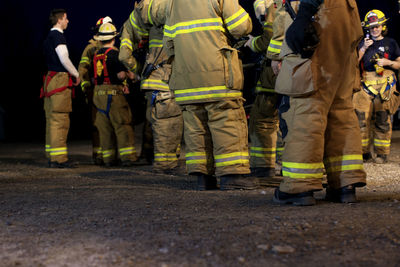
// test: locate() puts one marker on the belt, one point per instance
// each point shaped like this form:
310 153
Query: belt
109 92
387 83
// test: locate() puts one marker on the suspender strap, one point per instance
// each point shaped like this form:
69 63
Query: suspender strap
46 81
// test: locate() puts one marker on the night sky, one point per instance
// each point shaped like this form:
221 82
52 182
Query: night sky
25 25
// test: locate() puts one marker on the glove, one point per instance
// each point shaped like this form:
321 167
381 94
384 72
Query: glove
299 30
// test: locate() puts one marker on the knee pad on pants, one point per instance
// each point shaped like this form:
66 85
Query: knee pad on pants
361 118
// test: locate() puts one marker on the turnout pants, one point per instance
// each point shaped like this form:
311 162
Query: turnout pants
374 113
263 128
96 148
57 108
113 120
216 138
322 128
166 121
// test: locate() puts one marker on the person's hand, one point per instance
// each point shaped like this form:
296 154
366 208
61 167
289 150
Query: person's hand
276 66
130 75
367 43
383 62
248 43
76 81
126 89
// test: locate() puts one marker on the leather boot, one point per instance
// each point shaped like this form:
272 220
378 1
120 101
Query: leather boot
238 181
299 199
346 194
205 182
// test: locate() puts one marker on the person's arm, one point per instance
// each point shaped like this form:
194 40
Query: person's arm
384 62
63 55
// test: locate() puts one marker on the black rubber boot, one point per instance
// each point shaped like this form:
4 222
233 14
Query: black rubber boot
206 182
299 199
367 157
346 194
63 165
238 181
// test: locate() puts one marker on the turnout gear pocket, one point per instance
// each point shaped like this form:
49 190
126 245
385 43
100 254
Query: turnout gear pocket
167 68
295 77
233 70
165 106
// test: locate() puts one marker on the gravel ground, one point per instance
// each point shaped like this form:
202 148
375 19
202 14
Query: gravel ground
91 216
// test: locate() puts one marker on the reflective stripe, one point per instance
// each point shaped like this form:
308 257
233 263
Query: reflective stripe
205 92
84 60
148 12
236 19
275 46
260 89
126 42
47 148
97 149
165 157
141 31
155 43
196 158
127 150
108 153
280 151
344 163
365 142
263 152
84 83
193 26
231 159
382 142
58 151
268 26
257 3
154 84
253 44
303 170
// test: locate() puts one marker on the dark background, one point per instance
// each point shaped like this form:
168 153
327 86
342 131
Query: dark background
24 26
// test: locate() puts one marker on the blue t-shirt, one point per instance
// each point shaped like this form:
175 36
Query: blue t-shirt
54 39
387 47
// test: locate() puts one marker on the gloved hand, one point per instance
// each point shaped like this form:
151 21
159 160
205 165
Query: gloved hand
296 34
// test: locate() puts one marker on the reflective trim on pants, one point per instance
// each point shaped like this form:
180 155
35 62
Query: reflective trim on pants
303 170
344 163
231 159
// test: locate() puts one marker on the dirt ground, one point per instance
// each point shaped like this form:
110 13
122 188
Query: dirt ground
92 216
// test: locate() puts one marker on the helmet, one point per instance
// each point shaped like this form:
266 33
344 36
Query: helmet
100 22
373 18
107 31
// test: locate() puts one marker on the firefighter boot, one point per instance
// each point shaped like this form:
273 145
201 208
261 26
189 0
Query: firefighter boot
346 194
367 157
381 159
299 199
238 181
205 182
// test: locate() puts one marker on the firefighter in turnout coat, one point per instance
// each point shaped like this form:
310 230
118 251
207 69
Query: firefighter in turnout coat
113 116
162 111
322 130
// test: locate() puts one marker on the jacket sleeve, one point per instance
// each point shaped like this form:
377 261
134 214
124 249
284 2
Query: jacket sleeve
260 43
129 42
278 32
84 67
236 20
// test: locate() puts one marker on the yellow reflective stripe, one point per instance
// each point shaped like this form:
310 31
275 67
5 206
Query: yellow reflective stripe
350 167
260 89
382 142
275 46
205 92
127 150
148 12
193 26
303 170
154 43
263 148
47 148
165 157
126 42
344 163
195 154
196 158
261 155
231 159
57 151
236 19
253 44
108 153
154 84
96 149
257 3
84 60
141 31
365 142
343 158
84 83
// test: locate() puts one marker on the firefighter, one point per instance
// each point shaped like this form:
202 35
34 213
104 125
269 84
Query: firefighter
264 121
378 99
85 70
162 111
321 126
57 91
113 113
207 79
